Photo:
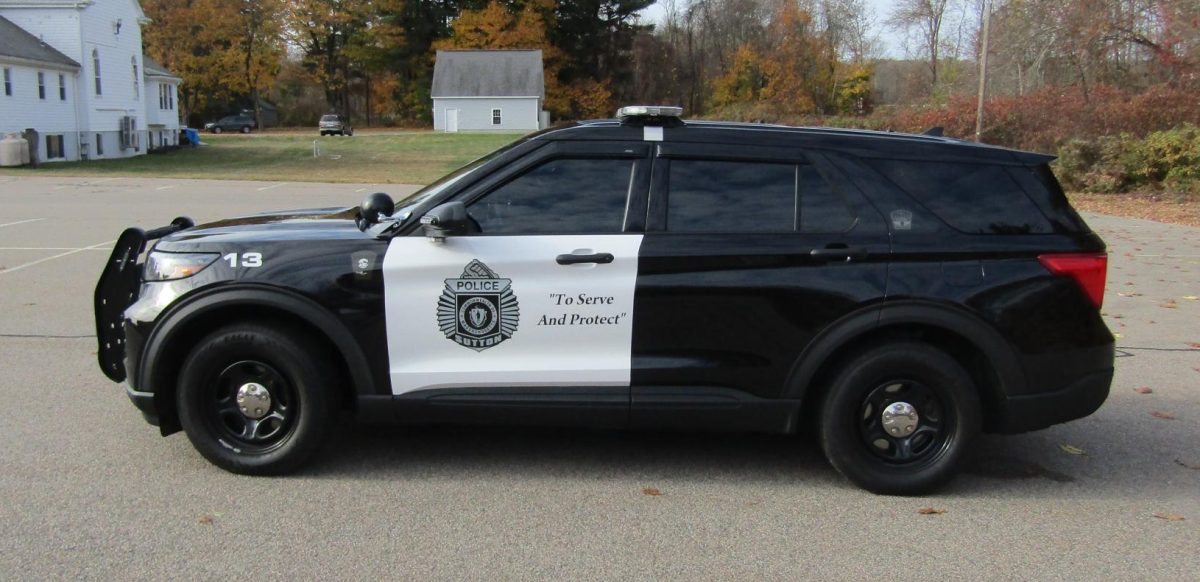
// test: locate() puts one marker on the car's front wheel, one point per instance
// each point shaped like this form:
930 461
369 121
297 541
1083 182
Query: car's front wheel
256 399
216 130
899 418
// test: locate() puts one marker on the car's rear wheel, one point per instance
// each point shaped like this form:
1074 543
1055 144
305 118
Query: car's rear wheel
350 132
255 399
245 129
899 418
216 130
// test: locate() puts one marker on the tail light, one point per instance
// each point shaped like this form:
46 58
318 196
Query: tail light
1088 270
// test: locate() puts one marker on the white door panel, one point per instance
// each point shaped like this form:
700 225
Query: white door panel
498 311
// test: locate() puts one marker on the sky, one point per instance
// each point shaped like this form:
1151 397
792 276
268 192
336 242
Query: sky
889 39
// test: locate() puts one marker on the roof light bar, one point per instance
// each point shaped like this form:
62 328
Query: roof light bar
649 111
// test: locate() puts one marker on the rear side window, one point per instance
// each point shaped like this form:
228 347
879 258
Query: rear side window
752 197
972 198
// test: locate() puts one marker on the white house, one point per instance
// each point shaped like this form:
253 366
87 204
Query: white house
482 90
74 71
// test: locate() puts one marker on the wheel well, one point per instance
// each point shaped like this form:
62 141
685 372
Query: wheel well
973 360
166 369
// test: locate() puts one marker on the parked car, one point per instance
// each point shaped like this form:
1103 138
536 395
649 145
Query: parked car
242 123
331 124
895 295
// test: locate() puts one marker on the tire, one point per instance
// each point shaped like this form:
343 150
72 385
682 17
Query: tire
350 133
854 429
245 129
240 360
216 130
322 134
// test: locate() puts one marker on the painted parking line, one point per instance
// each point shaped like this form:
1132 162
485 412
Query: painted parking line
96 246
53 249
21 222
272 186
165 187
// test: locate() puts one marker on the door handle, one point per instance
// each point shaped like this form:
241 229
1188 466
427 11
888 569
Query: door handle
570 259
839 253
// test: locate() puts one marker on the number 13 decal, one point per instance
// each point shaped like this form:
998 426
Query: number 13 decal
247 259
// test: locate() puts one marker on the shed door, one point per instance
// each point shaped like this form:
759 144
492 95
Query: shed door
452 121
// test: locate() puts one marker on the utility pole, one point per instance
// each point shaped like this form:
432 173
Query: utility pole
983 69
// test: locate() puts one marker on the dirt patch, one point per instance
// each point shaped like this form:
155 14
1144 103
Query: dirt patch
1158 207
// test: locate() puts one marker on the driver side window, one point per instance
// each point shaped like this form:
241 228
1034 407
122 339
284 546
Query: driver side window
561 196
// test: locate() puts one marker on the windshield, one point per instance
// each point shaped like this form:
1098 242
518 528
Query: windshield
329 118
406 206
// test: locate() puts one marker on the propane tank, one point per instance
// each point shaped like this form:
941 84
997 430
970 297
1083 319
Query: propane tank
14 150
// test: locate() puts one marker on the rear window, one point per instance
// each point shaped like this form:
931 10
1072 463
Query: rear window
972 198
329 118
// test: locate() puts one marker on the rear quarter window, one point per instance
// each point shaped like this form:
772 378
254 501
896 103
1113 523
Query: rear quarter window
972 198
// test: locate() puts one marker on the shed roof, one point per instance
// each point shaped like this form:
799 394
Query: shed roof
18 43
152 69
488 73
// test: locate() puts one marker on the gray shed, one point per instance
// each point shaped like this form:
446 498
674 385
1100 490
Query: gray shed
488 90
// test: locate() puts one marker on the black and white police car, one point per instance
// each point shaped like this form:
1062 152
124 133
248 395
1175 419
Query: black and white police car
894 294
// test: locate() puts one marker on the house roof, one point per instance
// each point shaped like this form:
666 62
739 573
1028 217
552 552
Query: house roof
17 43
152 69
488 73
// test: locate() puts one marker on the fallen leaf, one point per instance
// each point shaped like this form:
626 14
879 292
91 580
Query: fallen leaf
1162 415
205 519
1072 450
1191 297
1118 336
930 511
1194 345
652 491
1144 390
1168 516
1187 465
1169 304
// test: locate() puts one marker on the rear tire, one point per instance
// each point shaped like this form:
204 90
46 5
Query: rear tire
221 398
216 130
868 435
245 129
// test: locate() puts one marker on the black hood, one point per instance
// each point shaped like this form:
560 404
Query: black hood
309 224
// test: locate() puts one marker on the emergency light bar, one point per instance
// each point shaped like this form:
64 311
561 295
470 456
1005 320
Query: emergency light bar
649 111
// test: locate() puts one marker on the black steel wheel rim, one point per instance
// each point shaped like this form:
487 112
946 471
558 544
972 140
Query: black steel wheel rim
928 441
236 430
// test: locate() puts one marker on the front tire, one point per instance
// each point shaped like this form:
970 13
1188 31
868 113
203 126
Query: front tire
216 130
899 418
255 399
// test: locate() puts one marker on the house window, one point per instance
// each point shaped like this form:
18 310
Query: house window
8 81
495 117
41 85
96 71
54 147
62 88
170 97
137 87
99 144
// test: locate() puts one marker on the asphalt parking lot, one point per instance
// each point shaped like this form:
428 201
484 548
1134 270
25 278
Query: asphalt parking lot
89 490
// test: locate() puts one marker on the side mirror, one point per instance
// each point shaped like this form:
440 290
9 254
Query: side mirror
448 219
376 207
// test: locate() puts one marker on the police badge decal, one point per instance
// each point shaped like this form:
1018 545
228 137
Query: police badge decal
478 310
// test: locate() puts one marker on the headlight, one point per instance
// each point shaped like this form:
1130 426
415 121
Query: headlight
163 266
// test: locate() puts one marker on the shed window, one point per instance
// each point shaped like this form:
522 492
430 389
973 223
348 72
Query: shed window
495 117
8 81
96 71
62 88
41 85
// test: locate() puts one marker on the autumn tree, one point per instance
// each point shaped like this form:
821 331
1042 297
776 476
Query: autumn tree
322 30
924 19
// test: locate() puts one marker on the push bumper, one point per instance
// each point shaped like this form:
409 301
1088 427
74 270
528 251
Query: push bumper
1037 411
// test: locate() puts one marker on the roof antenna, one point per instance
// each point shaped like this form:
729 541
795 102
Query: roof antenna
935 131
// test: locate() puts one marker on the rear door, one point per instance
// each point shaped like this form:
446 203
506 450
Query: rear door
536 305
749 253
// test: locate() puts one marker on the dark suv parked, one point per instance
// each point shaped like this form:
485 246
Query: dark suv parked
893 294
242 123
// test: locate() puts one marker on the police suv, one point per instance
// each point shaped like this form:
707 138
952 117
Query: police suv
894 294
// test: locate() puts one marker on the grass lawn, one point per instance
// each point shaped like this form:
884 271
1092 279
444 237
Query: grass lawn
417 157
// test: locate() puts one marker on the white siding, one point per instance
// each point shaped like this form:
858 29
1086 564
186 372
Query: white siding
24 109
475 113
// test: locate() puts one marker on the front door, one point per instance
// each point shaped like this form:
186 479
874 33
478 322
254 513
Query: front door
451 121
537 301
